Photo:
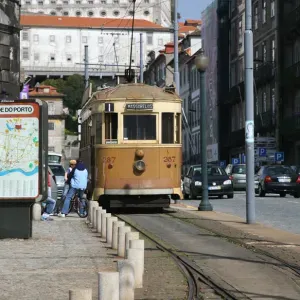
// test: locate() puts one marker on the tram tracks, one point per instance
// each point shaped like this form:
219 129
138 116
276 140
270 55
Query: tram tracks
200 286
295 269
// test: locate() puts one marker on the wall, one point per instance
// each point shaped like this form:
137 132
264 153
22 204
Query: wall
156 11
9 48
210 46
69 55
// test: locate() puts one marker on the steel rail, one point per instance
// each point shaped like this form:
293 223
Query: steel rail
294 268
189 269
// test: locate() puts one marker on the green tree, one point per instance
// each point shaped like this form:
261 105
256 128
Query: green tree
72 88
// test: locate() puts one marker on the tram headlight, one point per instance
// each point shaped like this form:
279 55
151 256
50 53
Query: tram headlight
140 165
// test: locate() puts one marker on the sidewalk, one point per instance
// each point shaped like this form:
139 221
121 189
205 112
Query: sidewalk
279 243
66 254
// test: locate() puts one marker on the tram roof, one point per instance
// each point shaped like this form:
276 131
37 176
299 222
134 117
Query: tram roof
136 91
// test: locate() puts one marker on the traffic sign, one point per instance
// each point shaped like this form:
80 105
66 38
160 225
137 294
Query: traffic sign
223 163
279 156
262 152
235 161
243 158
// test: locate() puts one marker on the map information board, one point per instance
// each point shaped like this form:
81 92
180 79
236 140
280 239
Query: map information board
19 150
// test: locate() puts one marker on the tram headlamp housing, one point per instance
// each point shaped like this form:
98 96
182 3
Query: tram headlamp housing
140 165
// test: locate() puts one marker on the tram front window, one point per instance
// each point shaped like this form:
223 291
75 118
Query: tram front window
140 127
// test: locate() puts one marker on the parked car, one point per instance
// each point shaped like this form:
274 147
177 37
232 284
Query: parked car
296 169
278 179
238 173
239 177
59 175
219 183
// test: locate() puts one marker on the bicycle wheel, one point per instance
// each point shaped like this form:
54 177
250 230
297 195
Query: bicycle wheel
82 208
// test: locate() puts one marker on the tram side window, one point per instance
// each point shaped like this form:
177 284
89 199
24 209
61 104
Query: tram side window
167 129
111 127
98 118
139 127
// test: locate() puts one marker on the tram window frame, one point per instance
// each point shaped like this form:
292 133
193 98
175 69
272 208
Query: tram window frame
167 128
178 132
98 128
111 127
150 119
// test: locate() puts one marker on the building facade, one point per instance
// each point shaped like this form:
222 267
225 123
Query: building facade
56 116
210 47
53 46
156 11
266 79
289 53
10 49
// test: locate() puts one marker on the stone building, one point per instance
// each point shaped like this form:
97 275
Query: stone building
157 11
289 53
53 46
56 115
10 49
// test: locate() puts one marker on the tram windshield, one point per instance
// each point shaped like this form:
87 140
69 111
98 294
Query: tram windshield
139 127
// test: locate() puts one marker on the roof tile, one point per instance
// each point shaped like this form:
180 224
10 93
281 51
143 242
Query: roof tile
81 22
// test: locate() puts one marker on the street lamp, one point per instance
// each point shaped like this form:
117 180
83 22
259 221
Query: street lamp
201 62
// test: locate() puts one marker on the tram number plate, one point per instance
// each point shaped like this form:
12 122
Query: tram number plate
108 159
169 158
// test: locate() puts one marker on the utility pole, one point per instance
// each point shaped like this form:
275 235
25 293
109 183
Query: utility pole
86 66
176 63
141 59
249 124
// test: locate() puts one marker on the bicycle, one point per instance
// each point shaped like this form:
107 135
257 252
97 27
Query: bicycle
76 205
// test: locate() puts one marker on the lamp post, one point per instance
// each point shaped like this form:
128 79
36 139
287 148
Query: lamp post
201 62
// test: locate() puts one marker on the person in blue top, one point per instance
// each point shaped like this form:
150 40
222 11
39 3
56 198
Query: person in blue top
78 179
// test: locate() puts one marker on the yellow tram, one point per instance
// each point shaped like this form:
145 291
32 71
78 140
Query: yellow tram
131 145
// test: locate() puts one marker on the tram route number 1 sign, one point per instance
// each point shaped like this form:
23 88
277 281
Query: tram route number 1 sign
139 106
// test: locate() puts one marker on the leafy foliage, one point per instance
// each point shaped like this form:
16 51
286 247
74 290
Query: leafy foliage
72 88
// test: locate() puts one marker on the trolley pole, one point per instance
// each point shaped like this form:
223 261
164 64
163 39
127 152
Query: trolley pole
86 66
176 63
249 124
141 59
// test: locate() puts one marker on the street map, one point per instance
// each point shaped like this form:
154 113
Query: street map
19 157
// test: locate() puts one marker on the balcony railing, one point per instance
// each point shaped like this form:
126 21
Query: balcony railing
67 70
264 73
265 121
291 125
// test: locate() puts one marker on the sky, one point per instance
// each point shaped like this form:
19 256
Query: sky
192 9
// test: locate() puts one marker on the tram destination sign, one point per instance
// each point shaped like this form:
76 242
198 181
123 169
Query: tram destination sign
139 106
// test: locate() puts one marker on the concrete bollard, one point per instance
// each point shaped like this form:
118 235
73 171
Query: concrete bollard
137 244
103 224
98 219
121 240
108 286
116 226
126 279
136 256
36 211
94 224
109 224
92 204
128 237
84 294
